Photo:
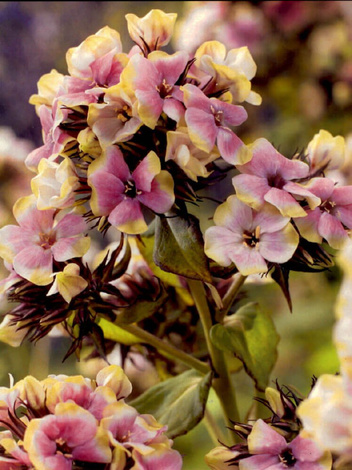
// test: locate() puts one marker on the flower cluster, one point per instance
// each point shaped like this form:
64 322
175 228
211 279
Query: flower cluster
276 442
65 422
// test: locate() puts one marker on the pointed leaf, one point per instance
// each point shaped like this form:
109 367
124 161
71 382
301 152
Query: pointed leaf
178 402
115 333
251 336
179 247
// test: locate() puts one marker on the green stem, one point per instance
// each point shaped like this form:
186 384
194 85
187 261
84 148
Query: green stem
166 348
215 432
221 382
230 296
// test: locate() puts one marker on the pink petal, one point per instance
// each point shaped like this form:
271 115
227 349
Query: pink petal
305 450
308 226
264 440
269 219
128 217
331 229
279 247
230 147
219 244
287 204
35 264
13 239
68 248
146 75
70 225
150 106
107 193
174 109
342 195
201 128
195 98
33 158
248 260
161 196
235 216
170 67
113 163
146 171
163 459
251 189
344 213
321 187
233 115
261 462
119 419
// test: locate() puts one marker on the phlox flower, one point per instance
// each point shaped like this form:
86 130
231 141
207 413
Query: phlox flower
76 390
271 451
233 69
326 415
153 81
153 31
209 120
55 184
329 219
115 120
249 239
79 59
54 138
119 194
48 86
326 152
189 158
15 457
68 282
269 177
71 433
40 238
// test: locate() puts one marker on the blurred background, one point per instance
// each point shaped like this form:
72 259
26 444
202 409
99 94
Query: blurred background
303 52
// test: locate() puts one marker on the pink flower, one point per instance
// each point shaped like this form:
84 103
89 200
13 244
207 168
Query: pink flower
271 451
72 433
269 177
153 82
249 238
329 219
40 238
119 194
209 121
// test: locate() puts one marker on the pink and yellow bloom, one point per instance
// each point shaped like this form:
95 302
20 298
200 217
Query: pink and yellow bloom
269 177
233 69
153 81
153 31
40 238
71 433
120 195
271 451
330 219
249 239
209 121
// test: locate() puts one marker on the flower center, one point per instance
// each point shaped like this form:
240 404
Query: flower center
276 181
251 239
131 190
46 240
124 114
327 206
287 458
164 89
63 448
218 116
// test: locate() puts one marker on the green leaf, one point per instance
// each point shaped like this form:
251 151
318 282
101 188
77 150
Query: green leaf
251 336
117 334
146 247
178 402
179 247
